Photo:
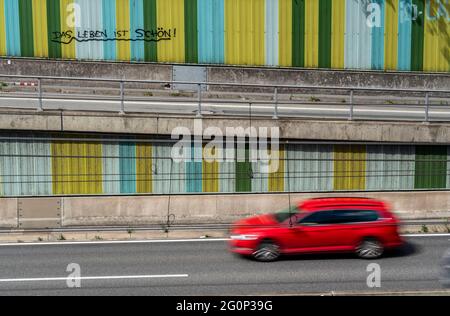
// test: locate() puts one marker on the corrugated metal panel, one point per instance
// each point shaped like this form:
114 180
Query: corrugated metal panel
431 167
358 44
211 28
25 167
26 28
271 31
111 168
312 34
67 15
2 28
53 25
109 24
150 24
191 31
194 169
227 172
168 177
40 32
390 167
298 33
391 37
122 26
210 176
404 35
12 28
417 34
285 32
448 167
260 177
244 172
92 20
309 168
136 23
77 167
244 32
276 171
144 168
338 34
378 37
349 167
325 22
171 17
127 164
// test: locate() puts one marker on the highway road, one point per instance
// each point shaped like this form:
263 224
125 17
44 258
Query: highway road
318 110
204 267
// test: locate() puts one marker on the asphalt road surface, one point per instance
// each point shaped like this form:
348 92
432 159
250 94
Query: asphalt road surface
319 110
206 268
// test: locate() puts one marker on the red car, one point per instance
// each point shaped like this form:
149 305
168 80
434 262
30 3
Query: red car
360 225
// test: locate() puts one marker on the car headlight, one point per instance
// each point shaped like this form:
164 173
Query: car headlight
244 237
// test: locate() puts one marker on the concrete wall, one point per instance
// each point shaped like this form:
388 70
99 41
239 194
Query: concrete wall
295 129
152 71
141 210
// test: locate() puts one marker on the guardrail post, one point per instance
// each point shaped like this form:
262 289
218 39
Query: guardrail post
275 99
351 106
427 107
40 106
199 94
122 98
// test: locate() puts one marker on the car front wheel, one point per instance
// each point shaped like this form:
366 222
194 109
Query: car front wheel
267 251
370 248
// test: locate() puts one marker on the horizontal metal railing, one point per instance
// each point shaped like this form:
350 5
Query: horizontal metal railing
368 100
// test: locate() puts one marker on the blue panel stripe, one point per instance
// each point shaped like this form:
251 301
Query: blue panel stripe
271 32
404 35
127 153
194 170
12 27
136 22
109 24
358 43
378 39
211 26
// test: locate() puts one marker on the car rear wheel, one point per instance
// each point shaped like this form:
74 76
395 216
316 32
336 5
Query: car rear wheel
370 248
267 251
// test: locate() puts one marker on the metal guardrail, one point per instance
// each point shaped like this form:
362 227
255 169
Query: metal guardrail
424 109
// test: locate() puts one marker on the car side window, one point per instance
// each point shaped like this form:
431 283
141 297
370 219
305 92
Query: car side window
355 216
318 218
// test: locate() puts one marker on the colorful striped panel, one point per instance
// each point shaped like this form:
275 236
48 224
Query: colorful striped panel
123 30
358 39
430 167
26 28
12 22
150 24
76 167
68 23
137 23
127 167
325 24
285 37
298 33
392 37
378 36
404 36
111 168
276 169
312 34
194 169
54 28
144 168
244 172
349 167
417 36
271 31
168 176
109 25
191 32
338 34
211 30
39 27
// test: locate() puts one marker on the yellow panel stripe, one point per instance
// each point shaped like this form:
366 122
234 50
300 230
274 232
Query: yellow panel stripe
285 36
338 34
144 168
67 24
312 33
40 28
276 179
123 24
349 167
2 28
170 16
391 35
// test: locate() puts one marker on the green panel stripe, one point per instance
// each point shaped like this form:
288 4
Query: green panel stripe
191 34
150 24
26 28
325 11
430 167
298 33
417 41
53 25
244 174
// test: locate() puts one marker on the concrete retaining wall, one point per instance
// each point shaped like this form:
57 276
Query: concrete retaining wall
141 210
164 72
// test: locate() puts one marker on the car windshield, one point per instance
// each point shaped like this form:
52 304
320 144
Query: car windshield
283 215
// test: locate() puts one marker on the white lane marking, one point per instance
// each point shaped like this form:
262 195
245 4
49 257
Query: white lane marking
120 277
156 241
62 243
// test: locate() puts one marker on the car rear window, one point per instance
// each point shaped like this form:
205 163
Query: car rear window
283 215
